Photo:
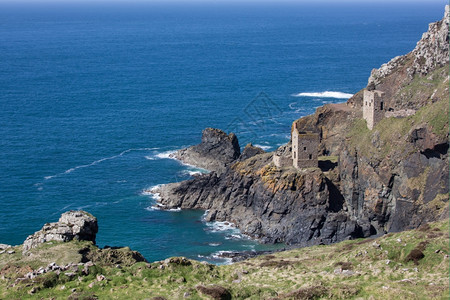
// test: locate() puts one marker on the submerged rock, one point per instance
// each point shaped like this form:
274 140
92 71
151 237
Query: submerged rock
72 225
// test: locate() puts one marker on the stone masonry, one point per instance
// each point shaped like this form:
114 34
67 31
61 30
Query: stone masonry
373 107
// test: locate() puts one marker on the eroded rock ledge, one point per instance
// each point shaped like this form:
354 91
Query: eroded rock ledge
72 225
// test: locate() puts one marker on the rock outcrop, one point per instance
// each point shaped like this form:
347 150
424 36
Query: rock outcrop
72 225
216 151
430 53
250 151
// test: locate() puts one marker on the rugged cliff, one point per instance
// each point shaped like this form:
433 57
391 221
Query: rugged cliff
391 178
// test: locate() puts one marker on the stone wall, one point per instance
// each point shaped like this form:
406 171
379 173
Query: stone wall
282 158
304 149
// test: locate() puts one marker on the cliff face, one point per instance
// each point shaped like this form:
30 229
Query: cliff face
391 178
296 207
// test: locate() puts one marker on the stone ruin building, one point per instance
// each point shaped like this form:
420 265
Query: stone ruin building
373 107
302 153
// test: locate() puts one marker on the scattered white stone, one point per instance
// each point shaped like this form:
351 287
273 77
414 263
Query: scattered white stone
89 264
388 261
4 246
348 272
399 240
101 277
375 244
70 274
11 252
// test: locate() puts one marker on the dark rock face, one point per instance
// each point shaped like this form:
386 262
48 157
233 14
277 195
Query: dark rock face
216 151
250 151
71 225
266 203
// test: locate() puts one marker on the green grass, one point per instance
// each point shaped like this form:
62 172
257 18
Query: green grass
333 159
378 266
390 135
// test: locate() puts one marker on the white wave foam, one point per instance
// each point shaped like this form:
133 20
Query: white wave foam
152 208
293 105
236 236
221 226
191 172
326 94
166 154
150 191
264 147
214 244
155 206
159 206
174 209
218 255
98 161
251 247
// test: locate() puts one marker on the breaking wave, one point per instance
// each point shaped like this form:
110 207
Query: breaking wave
326 94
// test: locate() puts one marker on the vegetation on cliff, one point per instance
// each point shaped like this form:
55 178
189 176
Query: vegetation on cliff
411 265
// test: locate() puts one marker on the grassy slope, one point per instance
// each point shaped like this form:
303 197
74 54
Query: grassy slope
390 136
372 268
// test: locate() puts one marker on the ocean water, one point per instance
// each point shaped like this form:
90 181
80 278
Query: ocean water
94 96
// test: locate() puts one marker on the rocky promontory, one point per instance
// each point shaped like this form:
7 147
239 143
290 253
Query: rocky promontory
215 153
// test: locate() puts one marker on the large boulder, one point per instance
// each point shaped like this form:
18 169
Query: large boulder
78 225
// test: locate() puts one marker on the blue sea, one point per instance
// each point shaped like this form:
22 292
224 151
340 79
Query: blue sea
94 96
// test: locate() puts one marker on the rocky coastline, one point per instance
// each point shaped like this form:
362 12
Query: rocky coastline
369 182
391 182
